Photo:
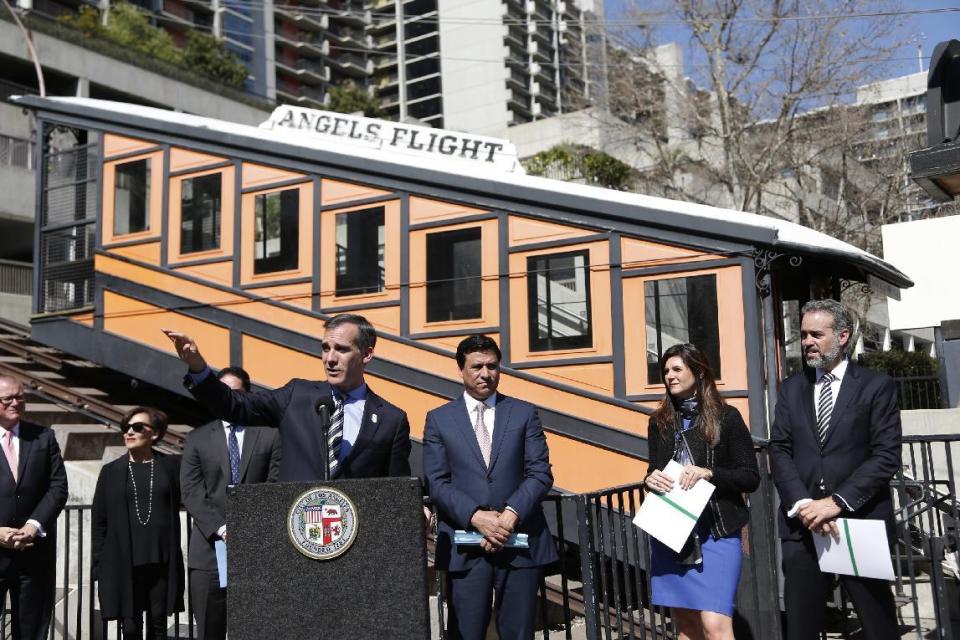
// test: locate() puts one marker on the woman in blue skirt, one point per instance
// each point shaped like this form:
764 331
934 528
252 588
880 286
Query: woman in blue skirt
694 426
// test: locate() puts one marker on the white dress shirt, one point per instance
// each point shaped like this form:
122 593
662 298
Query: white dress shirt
838 372
15 429
488 414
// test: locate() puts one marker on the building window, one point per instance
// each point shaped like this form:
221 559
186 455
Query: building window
276 231
558 287
131 197
360 252
453 275
200 213
681 310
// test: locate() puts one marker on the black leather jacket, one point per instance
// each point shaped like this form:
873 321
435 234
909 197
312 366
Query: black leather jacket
732 461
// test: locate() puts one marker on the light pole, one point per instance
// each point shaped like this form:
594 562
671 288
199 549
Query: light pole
30 49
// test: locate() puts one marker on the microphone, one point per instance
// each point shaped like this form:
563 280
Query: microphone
324 402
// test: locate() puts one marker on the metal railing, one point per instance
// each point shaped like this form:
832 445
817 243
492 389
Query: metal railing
16 277
600 587
918 392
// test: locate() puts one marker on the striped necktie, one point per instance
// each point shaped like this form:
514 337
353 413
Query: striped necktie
824 406
335 436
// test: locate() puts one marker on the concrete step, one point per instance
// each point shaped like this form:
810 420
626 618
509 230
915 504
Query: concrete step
49 414
86 441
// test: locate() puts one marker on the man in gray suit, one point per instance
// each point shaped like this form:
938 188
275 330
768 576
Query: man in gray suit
215 456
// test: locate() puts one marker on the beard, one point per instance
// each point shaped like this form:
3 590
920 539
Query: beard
822 359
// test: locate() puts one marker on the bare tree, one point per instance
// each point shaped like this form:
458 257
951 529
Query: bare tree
760 116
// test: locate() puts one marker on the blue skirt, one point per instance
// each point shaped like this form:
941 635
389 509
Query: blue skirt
710 586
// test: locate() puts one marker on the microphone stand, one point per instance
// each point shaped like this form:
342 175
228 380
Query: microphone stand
324 412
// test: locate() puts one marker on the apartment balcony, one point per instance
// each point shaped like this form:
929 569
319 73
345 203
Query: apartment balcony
384 64
521 106
305 96
310 22
304 72
350 37
516 38
387 81
174 15
385 42
351 18
199 6
352 64
518 81
309 44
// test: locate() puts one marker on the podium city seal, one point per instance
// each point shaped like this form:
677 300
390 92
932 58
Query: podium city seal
322 523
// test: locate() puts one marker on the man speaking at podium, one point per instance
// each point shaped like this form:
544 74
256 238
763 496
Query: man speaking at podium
368 436
487 468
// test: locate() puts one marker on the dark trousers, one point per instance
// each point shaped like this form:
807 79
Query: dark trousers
805 594
31 590
150 597
470 595
209 604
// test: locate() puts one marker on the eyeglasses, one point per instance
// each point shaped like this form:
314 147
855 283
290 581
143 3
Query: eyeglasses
138 427
12 399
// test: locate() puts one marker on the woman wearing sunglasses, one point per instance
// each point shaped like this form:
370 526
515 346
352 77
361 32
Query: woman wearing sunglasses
136 530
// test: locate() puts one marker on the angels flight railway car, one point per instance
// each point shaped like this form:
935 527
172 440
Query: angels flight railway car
248 238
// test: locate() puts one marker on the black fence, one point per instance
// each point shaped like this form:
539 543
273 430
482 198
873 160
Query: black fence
919 392
600 587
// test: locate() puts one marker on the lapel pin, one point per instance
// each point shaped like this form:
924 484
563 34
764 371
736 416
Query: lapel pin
373 418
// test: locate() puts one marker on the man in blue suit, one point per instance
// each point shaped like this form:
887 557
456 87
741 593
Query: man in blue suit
487 468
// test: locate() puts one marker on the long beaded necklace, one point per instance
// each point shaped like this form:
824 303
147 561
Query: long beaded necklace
136 501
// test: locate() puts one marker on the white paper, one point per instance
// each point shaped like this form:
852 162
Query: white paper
221 549
671 517
862 550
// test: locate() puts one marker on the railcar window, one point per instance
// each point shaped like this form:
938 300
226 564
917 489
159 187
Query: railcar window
453 275
558 288
360 252
681 310
200 213
276 231
131 197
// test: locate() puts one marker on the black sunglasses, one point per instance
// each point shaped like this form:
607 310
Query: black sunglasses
138 426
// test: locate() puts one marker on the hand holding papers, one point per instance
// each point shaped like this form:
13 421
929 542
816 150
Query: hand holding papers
670 517
518 540
862 550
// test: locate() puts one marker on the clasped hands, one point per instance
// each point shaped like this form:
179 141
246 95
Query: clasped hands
19 539
819 516
495 526
660 482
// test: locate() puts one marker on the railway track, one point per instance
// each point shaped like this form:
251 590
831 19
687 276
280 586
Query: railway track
38 367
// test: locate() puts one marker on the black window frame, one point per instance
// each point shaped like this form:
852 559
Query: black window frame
289 233
444 284
196 231
118 171
551 343
350 288
710 346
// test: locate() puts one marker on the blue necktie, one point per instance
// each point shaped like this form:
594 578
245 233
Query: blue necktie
234 456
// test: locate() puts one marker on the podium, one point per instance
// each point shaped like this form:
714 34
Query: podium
373 584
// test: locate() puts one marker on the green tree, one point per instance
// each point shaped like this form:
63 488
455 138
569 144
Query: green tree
578 162
349 98
128 26
208 55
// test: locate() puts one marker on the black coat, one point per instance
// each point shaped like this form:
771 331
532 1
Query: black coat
732 461
112 553
39 493
382 448
860 455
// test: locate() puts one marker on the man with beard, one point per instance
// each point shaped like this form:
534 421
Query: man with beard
835 445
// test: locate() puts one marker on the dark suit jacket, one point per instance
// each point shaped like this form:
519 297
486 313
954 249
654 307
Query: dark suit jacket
39 493
112 554
382 447
459 483
205 475
860 455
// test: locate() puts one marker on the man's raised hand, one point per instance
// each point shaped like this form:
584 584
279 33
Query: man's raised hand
187 350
